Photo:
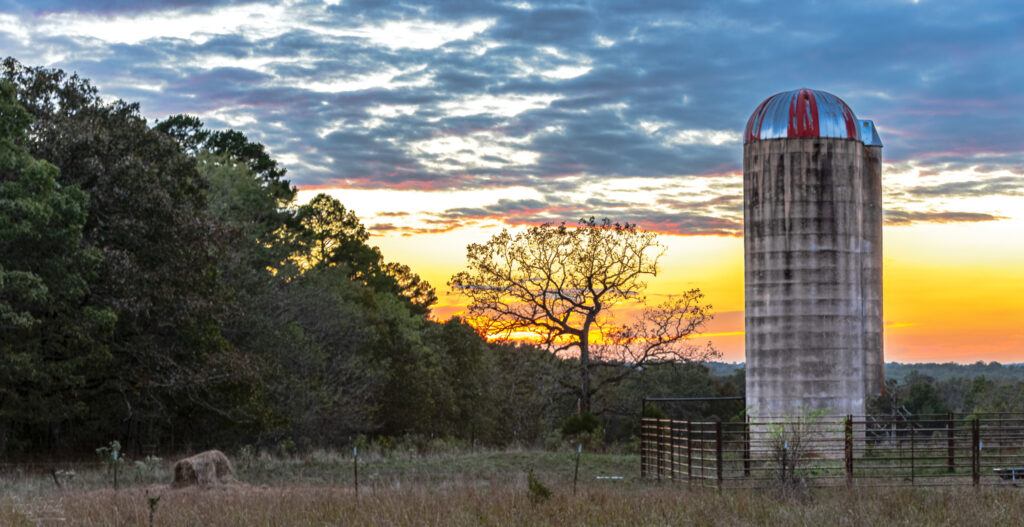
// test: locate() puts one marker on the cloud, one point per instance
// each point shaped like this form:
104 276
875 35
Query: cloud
451 95
405 230
904 217
688 221
1004 185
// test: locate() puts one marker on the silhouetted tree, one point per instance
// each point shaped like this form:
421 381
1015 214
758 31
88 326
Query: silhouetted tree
556 285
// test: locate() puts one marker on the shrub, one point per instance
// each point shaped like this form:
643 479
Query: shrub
791 444
582 423
286 448
583 429
536 490
654 411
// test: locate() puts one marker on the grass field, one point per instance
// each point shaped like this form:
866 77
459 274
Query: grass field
472 488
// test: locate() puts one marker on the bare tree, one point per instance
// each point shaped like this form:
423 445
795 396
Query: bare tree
554 285
659 333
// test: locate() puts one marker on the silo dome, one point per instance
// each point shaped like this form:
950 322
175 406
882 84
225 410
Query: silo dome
802 113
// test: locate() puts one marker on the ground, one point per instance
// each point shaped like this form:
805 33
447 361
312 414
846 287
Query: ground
467 488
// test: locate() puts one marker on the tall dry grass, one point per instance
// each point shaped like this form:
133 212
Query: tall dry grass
509 505
476 497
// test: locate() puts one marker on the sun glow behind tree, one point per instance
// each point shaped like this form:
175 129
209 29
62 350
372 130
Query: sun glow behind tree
556 285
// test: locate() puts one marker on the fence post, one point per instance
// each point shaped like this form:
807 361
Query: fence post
672 451
689 452
912 447
848 442
950 452
746 446
702 442
643 448
644 439
657 451
975 451
718 452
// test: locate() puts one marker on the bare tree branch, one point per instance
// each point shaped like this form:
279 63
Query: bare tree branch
556 284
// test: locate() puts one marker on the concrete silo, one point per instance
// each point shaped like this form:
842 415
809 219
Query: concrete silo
812 205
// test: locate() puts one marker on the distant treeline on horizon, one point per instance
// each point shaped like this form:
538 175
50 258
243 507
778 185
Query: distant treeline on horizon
899 371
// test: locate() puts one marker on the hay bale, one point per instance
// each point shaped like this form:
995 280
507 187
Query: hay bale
206 469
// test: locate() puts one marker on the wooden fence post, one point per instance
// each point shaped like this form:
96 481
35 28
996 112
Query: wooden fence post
657 451
643 439
689 452
848 443
718 452
672 451
746 446
912 450
702 442
950 442
643 448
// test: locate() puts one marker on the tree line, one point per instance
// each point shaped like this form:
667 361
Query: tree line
917 389
918 394
159 286
942 371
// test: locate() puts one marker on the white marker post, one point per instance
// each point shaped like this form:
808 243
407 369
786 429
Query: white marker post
576 474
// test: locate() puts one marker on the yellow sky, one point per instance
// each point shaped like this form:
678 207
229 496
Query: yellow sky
952 291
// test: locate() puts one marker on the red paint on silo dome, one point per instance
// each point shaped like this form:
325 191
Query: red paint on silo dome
802 113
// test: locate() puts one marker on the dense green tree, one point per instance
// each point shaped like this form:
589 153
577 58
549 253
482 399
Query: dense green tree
620 406
531 403
923 399
320 369
331 235
147 218
194 139
53 342
187 130
463 402
416 292
247 189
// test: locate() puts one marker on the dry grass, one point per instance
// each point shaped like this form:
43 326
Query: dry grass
478 497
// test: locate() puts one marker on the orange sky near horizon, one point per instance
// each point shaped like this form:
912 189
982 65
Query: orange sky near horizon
953 292
439 123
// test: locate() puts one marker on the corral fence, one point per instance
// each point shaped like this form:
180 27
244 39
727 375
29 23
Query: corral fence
817 450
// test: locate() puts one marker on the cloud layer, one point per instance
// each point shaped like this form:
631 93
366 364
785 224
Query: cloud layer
561 98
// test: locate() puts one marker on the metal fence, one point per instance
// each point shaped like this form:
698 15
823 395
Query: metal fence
948 449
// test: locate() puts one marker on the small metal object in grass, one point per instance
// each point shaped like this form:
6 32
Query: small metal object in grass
576 474
1010 473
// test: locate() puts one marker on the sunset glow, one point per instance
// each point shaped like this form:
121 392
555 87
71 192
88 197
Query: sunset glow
439 126
953 291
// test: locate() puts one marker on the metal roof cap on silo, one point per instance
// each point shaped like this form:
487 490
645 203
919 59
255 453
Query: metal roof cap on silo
802 113
869 134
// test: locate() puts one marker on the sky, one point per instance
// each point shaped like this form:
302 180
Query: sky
440 123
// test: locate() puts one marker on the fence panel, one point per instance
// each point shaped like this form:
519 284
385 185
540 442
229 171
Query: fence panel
947 449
